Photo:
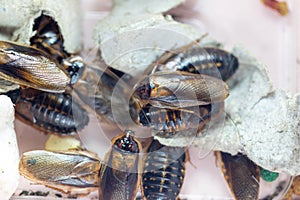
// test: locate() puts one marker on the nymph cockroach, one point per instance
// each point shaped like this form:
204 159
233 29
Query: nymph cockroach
67 171
28 66
202 60
184 122
241 174
49 112
48 37
119 178
163 172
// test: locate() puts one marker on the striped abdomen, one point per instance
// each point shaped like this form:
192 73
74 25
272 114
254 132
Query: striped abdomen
49 112
168 122
209 61
163 172
48 37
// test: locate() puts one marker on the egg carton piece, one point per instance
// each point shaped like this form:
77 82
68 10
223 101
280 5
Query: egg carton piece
9 152
136 33
19 16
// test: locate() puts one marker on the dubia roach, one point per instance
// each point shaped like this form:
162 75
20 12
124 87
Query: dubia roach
209 61
31 67
185 103
50 112
241 174
163 172
182 122
119 178
48 37
181 89
67 171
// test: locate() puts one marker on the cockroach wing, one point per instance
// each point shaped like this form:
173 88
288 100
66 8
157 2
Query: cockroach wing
65 171
31 67
241 174
119 178
181 89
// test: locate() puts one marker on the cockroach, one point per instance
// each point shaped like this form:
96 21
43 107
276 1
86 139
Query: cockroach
181 89
184 121
163 172
67 171
119 178
31 67
57 113
241 174
48 37
202 60
50 112
185 103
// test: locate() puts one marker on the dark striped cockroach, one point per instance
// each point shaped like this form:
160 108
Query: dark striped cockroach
31 67
203 60
119 178
55 113
49 112
67 171
182 122
241 174
163 172
48 37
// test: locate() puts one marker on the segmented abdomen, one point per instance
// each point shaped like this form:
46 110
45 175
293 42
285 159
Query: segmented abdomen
50 112
164 171
209 61
48 37
188 121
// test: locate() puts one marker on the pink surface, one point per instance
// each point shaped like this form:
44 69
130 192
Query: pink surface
267 35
